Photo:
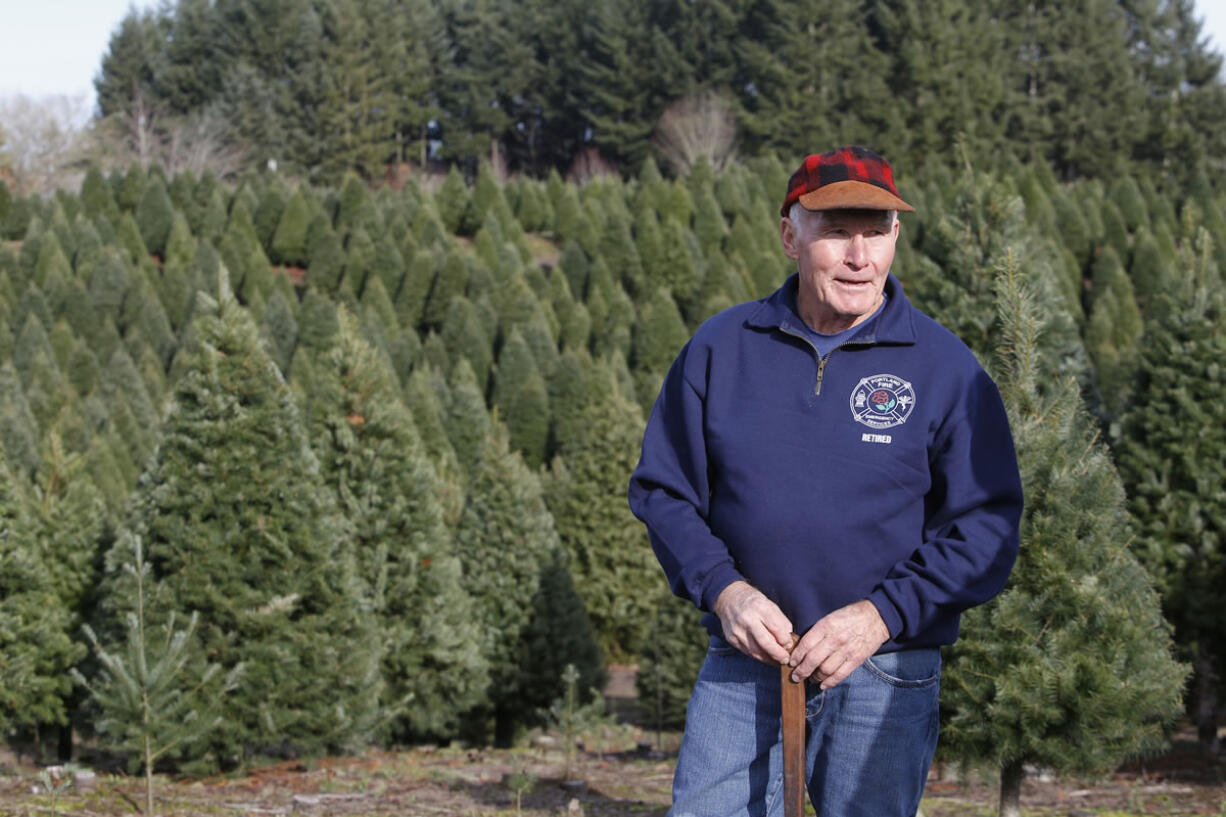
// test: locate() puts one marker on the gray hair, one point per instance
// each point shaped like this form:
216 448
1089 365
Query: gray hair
801 218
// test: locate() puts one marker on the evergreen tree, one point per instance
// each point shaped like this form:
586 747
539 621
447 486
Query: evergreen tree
19 431
154 215
464 335
669 661
504 538
427 409
466 420
450 281
35 648
1170 460
239 527
658 337
522 401
289 241
1070 667
371 456
280 332
1113 332
149 702
558 634
610 557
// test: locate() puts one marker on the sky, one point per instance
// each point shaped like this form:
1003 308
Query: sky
54 47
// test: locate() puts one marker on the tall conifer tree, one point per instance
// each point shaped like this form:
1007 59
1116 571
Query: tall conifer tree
1070 667
372 458
239 527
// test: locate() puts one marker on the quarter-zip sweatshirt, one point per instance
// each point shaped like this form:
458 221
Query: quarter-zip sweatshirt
884 470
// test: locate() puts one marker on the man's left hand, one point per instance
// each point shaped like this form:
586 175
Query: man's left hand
838 643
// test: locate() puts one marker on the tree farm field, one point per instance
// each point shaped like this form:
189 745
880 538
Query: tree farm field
614 771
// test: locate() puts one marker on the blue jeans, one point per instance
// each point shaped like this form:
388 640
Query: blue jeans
868 743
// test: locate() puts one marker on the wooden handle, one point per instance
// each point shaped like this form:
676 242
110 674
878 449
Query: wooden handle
792 698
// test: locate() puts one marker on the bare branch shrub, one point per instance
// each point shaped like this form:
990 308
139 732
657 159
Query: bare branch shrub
43 142
197 142
588 164
697 125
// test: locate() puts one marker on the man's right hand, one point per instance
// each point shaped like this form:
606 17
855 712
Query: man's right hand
753 623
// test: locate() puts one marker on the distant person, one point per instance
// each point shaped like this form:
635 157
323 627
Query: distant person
831 462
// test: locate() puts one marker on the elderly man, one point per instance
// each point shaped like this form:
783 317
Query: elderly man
831 462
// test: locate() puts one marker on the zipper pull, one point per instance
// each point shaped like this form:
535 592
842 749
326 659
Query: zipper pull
821 372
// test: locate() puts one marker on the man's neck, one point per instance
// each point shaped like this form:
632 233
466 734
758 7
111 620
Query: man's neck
828 322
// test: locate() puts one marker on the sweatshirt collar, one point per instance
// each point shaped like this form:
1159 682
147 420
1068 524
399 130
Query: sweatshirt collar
894 325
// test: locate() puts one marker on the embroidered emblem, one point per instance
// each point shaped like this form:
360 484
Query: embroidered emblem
882 401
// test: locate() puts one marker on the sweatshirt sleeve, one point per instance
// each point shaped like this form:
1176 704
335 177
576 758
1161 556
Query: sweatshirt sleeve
972 513
670 492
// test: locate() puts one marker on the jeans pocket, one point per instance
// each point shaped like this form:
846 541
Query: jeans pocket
907 668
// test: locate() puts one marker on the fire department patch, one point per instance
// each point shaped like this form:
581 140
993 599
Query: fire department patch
882 401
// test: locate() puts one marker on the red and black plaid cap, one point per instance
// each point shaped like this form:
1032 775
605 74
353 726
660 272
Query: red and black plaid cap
849 178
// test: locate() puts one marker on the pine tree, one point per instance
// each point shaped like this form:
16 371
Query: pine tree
669 661
1170 460
1113 333
373 459
611 559
658 337
464 335
152 701
466 420
521 399
452 200
154 215
504 539
558 635
35 648
239 528
451 280
280 332
1070 667
289 241
427 409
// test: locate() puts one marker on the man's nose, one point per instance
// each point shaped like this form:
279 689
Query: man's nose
857 252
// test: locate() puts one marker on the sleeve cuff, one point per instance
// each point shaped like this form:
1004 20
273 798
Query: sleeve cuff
714 584
887 611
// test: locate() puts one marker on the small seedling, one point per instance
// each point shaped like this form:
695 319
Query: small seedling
521 783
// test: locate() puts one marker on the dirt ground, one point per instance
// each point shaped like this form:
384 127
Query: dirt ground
616 770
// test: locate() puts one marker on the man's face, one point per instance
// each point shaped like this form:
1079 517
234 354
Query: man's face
843 257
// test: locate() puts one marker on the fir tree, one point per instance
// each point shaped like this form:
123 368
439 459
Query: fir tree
452 200
268 215
504 538
154 215
466 420
280 332
427 409
35 648
559 634
289 241
239 527
1113 331
1170 460
19 431
1070 667
610 557
150 696
521 400
371 456
464 335
669 661
450 281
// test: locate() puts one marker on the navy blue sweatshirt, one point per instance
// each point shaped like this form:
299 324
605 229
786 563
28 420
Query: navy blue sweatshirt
883 471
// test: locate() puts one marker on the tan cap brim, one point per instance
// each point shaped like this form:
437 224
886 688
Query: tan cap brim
852 195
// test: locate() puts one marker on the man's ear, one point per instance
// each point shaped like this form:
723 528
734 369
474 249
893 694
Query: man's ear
787 235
